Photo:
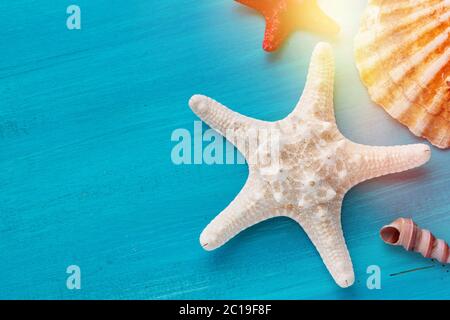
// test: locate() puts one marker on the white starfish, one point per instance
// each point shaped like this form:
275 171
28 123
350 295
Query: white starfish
315 166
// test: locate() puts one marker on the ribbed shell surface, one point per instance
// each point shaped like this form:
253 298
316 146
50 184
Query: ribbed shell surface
403 55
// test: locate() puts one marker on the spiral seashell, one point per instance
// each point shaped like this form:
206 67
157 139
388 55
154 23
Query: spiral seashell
404 232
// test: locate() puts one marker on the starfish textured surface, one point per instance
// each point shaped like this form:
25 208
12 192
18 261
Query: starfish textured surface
314 168
286 16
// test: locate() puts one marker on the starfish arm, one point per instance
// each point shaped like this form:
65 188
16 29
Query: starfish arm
254 4
275 34
240 130
248 208
370 162
323 226
317 98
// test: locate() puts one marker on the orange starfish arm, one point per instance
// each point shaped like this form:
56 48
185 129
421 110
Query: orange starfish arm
254 4
285 16
275 34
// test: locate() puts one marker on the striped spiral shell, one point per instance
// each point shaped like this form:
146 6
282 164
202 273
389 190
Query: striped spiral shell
404 232
403 54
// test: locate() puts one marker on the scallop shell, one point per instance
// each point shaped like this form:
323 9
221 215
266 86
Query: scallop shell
403 55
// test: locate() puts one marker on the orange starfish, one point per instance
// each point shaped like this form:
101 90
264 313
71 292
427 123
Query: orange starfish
285 16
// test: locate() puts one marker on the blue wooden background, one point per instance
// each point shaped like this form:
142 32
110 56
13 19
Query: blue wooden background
86 177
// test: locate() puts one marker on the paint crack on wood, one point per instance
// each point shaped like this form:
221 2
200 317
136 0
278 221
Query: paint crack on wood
411 270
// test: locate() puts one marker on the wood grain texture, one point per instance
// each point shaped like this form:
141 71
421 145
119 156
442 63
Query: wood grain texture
86 176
